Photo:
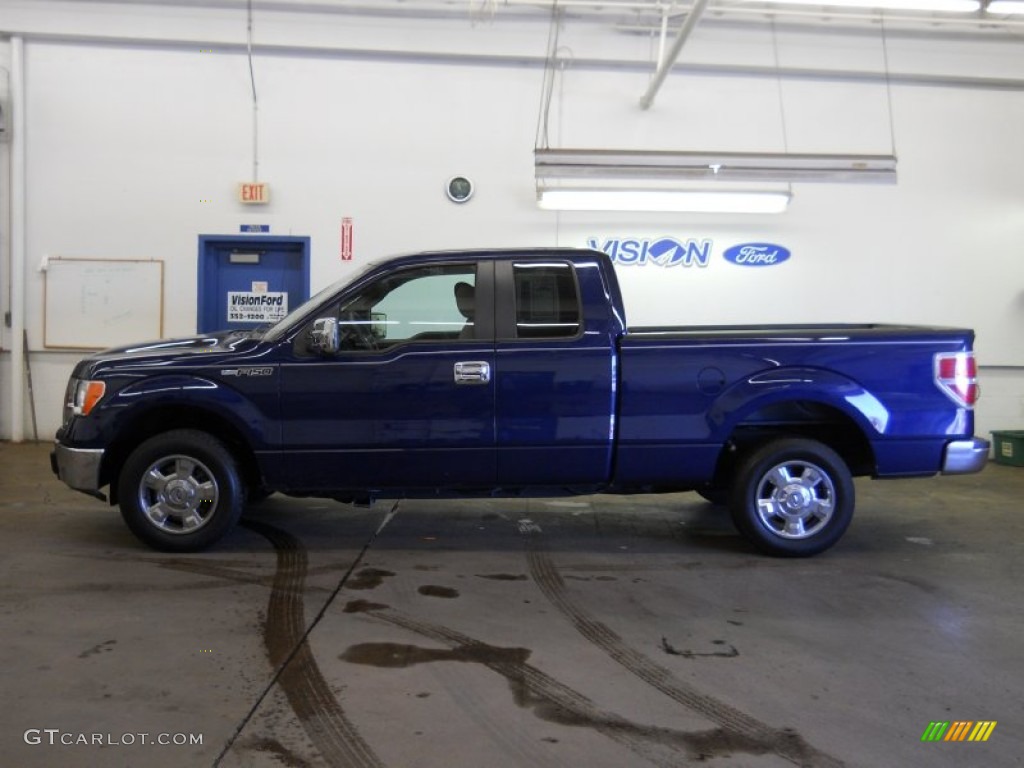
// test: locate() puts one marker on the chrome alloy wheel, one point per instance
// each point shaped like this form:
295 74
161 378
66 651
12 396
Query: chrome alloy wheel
795 499
178 494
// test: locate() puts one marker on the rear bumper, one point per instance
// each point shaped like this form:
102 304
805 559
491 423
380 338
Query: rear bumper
962 457
79 468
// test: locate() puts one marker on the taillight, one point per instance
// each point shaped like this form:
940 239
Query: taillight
956 374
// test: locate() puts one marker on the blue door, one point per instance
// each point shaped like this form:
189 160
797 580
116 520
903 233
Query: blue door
555 379
408 400
248 282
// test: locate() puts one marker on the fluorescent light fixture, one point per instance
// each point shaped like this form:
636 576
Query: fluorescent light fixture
936 6
662 200
715 167
1006 7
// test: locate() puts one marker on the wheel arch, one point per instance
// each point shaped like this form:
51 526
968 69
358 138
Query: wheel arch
808 403
166 417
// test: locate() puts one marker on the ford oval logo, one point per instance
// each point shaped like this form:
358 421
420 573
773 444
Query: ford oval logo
757 254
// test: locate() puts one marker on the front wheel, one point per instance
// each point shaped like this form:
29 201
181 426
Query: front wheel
180 491
793 497
717 496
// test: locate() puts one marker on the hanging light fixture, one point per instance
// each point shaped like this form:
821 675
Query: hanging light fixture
702 182
712 166
662 200
1005 7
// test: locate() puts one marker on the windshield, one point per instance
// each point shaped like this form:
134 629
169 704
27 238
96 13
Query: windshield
276 331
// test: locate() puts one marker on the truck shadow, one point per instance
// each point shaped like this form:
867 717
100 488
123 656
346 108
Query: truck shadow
670 524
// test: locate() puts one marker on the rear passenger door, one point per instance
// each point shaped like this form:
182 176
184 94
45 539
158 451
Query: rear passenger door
555 379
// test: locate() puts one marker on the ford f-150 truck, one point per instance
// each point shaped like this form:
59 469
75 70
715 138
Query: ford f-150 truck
513 372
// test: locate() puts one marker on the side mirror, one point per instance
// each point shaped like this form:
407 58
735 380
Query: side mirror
324 336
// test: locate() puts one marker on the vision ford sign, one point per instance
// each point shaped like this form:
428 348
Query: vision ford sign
756 254
662 251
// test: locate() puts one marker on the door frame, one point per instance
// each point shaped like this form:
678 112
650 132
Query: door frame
319 456
212 244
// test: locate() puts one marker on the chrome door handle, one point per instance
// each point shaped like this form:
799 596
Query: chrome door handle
473 372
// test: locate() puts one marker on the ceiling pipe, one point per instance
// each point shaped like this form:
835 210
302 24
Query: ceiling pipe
665 66
662 36
18 220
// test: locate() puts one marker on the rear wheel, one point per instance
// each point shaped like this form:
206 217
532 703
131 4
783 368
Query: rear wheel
256 494
180 491
793 497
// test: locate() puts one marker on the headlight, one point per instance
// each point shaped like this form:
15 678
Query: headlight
69 399
84 396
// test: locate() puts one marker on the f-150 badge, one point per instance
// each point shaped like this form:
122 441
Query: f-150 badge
247 371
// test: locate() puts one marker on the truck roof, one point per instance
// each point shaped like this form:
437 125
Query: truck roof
491 254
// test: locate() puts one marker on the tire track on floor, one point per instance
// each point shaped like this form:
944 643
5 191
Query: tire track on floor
286 638
557 703
782 742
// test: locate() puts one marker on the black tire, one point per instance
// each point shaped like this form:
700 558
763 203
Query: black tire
793 497
256 494
717 496
180 491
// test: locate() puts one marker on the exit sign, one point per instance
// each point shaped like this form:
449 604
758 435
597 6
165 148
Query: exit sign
253 193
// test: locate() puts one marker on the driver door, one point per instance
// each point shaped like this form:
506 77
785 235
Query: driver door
408 399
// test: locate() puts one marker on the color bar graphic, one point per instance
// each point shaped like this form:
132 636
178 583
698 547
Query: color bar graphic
982 730
959 730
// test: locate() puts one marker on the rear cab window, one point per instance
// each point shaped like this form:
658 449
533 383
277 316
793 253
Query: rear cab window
547 302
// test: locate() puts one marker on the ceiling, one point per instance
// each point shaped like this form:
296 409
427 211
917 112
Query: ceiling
962 50
638 16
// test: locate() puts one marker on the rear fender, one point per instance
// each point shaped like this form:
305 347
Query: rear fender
791 385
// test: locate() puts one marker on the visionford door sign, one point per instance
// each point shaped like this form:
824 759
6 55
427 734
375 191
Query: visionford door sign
757 254
256 307
662 251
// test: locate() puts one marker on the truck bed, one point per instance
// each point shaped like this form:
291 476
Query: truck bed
686 392
810 332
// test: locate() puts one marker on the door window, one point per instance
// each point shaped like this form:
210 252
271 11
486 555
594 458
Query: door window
431 303
547 301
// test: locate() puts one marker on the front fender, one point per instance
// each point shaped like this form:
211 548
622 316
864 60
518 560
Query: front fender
787 385
144 397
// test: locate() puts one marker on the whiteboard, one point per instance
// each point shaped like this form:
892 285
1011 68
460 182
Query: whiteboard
99 303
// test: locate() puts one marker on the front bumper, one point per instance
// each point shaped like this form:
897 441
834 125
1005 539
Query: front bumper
79 468
965 456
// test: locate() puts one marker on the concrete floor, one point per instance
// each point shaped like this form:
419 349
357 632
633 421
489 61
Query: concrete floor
598 632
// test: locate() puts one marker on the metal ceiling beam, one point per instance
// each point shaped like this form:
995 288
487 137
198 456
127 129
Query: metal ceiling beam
664 67
456 58
629 15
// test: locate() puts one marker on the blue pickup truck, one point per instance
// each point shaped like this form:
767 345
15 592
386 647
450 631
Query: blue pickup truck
513 372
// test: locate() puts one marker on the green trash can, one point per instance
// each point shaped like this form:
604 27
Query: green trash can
1009 447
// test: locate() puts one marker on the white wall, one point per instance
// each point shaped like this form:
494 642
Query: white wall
135 148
